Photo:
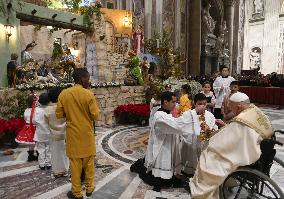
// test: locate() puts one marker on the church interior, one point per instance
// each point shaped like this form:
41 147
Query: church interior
149 64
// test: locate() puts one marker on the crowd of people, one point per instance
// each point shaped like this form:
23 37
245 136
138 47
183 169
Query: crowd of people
197 140
60 132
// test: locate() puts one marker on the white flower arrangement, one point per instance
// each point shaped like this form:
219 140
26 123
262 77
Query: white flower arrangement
38 86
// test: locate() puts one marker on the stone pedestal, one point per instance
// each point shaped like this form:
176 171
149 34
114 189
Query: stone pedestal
208 60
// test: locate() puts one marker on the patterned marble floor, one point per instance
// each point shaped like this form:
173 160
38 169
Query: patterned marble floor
117 148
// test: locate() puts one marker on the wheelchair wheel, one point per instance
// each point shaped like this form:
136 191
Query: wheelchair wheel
279 161
249 183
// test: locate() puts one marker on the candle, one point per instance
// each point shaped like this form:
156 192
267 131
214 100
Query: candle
158 43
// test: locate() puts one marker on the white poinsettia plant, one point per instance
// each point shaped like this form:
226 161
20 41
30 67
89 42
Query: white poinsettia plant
38 86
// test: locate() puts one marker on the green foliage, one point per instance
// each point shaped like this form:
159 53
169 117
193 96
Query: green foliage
13 106
164 43
135 71
154 90
57 52
170 61
54 4
73 5
89 11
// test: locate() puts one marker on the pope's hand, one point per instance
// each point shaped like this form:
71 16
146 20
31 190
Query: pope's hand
200 108
220 122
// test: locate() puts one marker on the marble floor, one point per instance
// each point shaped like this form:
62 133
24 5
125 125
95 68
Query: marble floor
117 148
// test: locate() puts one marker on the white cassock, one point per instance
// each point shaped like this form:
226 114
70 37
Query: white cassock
163 153
192 148
238 144
220 94
57 127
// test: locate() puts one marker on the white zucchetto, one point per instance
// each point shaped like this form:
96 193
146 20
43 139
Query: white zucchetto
239 97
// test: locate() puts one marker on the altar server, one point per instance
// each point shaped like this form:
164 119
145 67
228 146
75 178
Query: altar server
221 87
163 154
192 148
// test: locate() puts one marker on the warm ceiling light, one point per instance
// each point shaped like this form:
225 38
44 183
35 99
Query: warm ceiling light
125 20
8 30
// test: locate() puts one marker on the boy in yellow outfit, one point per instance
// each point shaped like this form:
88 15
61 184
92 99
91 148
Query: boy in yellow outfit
79 106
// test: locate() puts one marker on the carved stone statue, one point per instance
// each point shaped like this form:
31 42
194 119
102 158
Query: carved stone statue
138 40
255 59
208 23
258 6
222 43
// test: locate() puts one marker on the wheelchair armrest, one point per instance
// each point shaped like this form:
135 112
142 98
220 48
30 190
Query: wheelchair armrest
279 131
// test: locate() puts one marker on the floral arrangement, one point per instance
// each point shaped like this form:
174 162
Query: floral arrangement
133 114
38 86
9 130
13 106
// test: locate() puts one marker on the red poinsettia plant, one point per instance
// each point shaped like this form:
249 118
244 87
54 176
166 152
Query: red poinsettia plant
132 113
13 125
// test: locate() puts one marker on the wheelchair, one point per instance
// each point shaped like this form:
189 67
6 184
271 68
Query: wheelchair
254 181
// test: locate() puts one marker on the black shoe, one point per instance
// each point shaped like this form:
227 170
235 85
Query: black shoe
48 167
42 168
70 195
31 156
88 194
157 188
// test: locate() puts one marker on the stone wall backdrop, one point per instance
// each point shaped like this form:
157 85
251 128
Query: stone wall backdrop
108 99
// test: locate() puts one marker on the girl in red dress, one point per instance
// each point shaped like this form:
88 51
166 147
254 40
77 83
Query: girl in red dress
26 135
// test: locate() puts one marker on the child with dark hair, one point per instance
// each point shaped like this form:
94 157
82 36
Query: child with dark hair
57 127
191 151
26 135
42 133
211 100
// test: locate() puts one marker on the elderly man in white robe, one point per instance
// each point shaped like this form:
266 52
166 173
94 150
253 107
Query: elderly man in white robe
163 153
235 145
221 87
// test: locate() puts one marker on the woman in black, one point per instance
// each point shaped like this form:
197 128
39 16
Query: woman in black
12 67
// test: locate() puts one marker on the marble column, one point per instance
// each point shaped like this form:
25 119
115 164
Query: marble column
129 5
239 39
269 59
159 16
229 17
119 4
194 37
148 19
177 23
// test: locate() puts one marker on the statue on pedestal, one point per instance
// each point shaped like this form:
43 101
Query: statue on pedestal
26 55
255 59
138 40
258 6
207 24
145 68
222 43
